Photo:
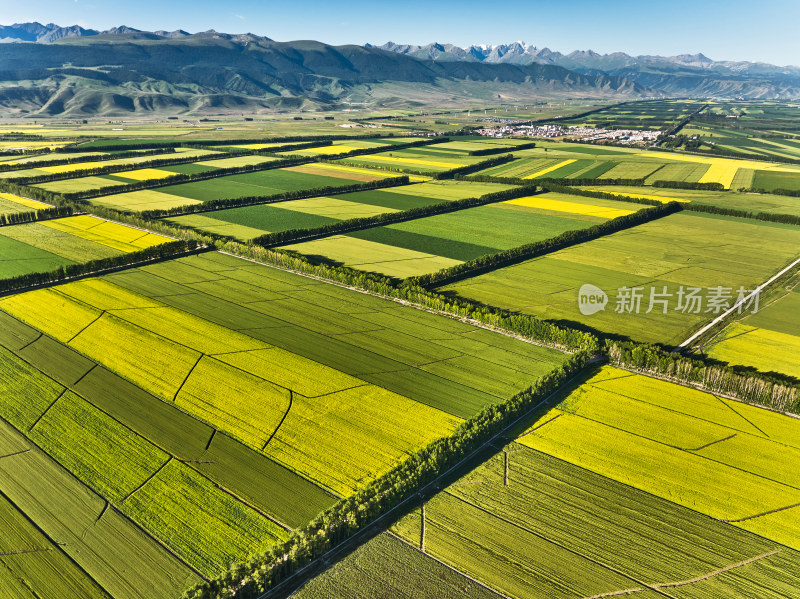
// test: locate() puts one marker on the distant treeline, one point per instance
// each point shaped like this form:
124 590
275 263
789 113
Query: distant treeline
19 166
182 178
712 186
388 148
490 151
547 181
777 393
381 167
214 142
792 193
603 195
117 168
790 219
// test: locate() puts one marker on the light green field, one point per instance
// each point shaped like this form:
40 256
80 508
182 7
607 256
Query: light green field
724 199
682 249
373 256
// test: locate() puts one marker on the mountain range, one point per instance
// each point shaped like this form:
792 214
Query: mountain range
51 70
685 74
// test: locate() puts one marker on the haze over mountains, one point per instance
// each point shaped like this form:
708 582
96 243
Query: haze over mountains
73 71
685 74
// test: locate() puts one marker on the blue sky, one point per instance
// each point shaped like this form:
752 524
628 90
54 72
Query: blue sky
723 30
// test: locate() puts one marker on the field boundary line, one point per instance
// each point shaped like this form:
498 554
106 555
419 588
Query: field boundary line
736 305
99 316
448 566
24 551
191 370
707 444
431 488
47 409
10 455
716 572
667 585
538 426
720 397
285 414
780 509
84 375
554 542
148 479
27 345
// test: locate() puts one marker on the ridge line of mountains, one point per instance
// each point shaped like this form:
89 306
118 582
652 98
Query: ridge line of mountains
48 70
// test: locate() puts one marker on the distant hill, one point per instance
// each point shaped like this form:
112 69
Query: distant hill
79 72
683 75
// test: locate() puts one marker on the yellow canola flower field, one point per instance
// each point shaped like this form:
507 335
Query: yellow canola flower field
114 235
720 173
765 349
144 174
24 201
48 310
723 170
550 169
571 207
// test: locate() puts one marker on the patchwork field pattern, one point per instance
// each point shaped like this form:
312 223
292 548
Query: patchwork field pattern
683 249
426 244
46 245
670 441
261 183
768 340
252 221
364 366
530 525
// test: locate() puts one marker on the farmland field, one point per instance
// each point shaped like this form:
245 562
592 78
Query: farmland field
522 519
252 221
372 571
10 203
667 440
684 249
724 199
178 420
114 319
261 183
47 245
768 339
426 244
524 538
